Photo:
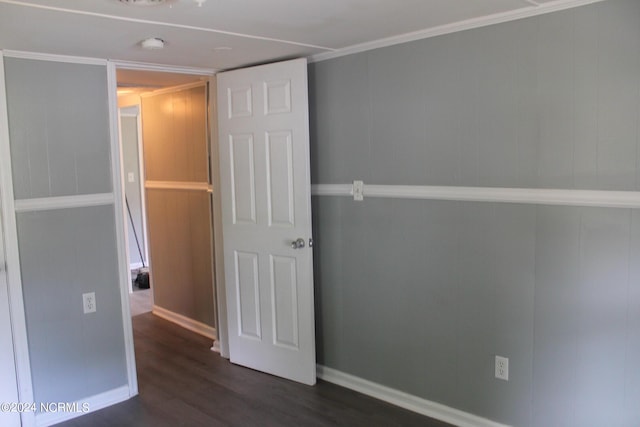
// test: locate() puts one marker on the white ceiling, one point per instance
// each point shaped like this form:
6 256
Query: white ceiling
257 31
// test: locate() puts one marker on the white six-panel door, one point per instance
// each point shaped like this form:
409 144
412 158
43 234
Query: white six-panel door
266 202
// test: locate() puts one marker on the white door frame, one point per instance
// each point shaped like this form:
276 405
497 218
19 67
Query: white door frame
123 260
9 388
222 344
14 278
134 111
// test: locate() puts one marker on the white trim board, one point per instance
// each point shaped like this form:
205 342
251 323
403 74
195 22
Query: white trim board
54 57
562 197
533 9
124 274
185 322
95 403
130 111
404 400
63 202
127 253
216 205
173 89
177 185
332 189
141 180
14 277
145 66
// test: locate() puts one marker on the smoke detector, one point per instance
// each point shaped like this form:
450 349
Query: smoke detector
152 43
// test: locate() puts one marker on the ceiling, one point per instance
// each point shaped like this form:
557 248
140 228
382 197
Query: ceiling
225 34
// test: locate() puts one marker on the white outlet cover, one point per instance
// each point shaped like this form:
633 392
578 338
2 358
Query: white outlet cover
502 368
89 302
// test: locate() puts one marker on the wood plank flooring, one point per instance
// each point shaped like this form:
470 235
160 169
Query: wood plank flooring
183 383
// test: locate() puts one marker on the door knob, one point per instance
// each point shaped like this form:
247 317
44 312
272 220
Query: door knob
297 244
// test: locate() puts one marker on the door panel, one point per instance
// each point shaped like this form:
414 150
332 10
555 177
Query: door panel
248 289
242 179
265 189
280 179
284 301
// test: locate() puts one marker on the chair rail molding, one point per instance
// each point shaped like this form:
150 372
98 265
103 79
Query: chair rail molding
539 196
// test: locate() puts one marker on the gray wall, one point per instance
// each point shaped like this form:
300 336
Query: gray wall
60 146
65 253
420 295
130 160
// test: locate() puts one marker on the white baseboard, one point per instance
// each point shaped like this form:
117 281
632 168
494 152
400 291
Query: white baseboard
405 400
84 406
185 322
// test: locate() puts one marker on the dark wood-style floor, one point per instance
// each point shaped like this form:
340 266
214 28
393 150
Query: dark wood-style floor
183 383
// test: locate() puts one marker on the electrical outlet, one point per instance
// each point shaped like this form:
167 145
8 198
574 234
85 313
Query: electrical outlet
89 302
502 368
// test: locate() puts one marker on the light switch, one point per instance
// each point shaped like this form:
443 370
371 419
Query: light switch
131 177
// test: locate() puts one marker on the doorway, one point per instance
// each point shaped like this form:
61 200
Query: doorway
164 123
267 103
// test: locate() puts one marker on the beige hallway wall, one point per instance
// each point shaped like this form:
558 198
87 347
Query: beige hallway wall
179 220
